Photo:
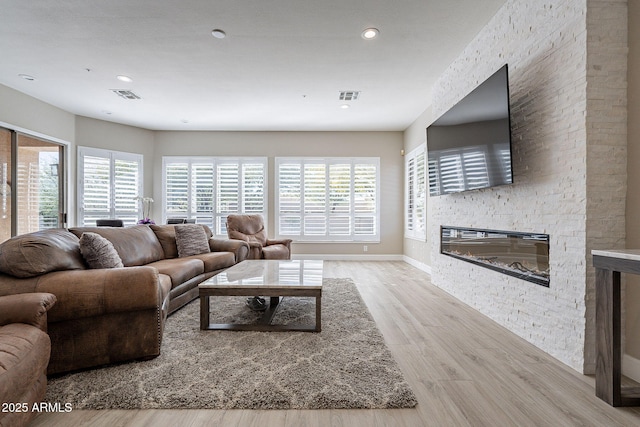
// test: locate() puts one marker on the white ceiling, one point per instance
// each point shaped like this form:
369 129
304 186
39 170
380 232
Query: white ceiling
281 66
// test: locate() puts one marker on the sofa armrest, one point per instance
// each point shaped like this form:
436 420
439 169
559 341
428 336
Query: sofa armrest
286 242
29 308
240 248
89 293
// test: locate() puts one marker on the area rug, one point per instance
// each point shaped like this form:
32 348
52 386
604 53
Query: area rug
347 365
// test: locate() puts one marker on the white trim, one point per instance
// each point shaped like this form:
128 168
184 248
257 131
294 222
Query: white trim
417 264
631 367
349 257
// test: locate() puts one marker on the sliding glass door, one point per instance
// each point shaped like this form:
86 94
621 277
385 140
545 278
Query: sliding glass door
5 184
38 184
32 190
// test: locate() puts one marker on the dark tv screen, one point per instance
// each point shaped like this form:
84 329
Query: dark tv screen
469 146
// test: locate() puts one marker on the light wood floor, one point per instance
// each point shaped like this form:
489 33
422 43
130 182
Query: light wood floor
464 368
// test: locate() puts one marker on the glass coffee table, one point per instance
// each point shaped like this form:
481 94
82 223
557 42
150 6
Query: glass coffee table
271 278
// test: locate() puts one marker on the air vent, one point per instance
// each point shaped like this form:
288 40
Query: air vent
349 95
126 94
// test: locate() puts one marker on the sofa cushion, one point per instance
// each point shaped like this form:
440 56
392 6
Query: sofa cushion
191 239
34 254
179 270
166 235
214 261
98 252
136 245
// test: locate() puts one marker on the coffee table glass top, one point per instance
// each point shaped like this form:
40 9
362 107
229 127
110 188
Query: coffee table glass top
270 273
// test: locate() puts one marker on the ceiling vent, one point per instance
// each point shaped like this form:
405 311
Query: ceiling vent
126 94
349 95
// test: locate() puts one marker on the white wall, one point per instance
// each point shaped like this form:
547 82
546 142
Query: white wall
386 145
23 112
564 119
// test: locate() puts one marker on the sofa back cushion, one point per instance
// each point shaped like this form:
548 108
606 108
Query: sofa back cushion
166 234
249 228
33 254
136 245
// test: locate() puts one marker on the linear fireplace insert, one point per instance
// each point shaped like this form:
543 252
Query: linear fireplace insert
522 255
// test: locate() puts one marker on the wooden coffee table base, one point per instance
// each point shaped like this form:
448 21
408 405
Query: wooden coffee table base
264 323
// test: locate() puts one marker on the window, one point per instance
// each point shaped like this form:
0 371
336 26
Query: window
108 184
208 189
415 194
328 199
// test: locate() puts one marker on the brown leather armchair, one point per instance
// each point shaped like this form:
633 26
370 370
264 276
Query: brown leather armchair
250 228
25 348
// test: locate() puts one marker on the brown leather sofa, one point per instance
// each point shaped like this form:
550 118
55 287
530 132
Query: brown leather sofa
110 315
24 354
250 228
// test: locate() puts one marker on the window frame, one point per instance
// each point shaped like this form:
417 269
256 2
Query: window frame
412 198
113 156
352 237
217 216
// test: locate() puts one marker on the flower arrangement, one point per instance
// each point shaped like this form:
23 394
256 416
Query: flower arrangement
146 209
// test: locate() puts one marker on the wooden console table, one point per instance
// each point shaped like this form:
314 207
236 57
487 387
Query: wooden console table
609 264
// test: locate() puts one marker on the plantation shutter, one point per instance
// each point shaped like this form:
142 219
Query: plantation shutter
127 187
202 189
365 206
290 199
341 200
176 195
415 194
314 183
96 197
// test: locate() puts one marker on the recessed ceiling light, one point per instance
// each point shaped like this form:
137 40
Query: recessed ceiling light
219 34
370 33
124 78
27 77
344 106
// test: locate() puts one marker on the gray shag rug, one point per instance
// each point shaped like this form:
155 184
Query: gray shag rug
347 365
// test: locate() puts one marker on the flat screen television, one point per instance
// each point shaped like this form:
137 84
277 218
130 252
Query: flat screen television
469 146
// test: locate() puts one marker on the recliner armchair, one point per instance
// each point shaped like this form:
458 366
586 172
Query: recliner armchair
25 348
250 228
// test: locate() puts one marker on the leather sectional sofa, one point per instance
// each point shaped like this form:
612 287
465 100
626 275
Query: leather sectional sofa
110 315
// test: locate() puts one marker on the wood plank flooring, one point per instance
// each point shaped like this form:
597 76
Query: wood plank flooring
465 369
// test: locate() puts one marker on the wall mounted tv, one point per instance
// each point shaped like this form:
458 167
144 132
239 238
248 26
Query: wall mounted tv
469 146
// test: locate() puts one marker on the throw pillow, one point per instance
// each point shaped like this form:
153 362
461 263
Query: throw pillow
191 239
98 252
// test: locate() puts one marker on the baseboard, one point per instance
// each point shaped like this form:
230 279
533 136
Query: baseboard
349 257
417 264
631 367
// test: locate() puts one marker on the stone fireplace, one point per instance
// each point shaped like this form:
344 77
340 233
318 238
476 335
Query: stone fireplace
521 255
